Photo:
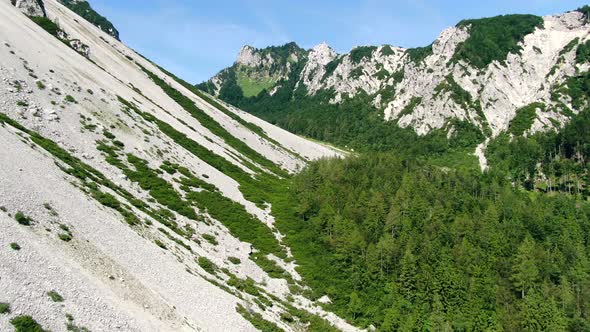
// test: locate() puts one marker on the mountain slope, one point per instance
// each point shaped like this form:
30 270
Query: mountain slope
480 72
138 203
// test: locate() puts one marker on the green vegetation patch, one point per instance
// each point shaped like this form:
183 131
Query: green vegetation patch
418 54
409 108
26 324
47 25
387 50
252 86
524 119
578 89
55 296
4 308
234 260
23 219
207 265
362 52
239 222
494 38
257 320
583 53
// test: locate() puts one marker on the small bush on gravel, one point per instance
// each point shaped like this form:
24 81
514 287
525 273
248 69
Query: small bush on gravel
66 237
40 85
22 219
15 246
55 297
70 99
3 209
160 244
49 208
70 326
22 103
206 265
26 324
4 308
211 239
234 260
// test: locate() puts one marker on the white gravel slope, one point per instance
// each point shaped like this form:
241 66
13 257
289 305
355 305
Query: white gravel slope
113 277
151 290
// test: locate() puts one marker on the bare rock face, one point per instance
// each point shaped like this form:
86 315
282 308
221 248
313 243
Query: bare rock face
249 57
30 7
80 47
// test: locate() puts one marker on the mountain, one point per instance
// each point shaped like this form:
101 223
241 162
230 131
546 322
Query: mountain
514 73
129 202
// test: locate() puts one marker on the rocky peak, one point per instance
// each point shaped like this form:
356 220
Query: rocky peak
448 40
30 7
249 56
322 54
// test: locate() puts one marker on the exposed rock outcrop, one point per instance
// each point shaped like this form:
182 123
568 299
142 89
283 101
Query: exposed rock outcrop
30 7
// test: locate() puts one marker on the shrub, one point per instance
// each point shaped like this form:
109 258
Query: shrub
387 50
15 246
49 208
66 237
108 134
207 265
70 99
40 85
234 260
211 239
160 244
55 297
361 52
524 119
22 219
22 103
26 324
4 308
47 24
418 54
257 320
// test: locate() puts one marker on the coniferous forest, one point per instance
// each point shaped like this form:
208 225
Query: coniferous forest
403 245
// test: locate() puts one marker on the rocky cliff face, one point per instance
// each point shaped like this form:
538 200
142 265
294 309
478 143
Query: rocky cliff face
30 7
451 79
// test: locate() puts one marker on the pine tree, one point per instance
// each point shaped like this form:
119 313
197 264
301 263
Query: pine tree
524 270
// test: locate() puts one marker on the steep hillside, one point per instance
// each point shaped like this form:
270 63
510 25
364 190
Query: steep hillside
489 75
129 202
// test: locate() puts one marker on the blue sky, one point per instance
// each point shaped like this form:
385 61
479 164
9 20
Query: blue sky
195 39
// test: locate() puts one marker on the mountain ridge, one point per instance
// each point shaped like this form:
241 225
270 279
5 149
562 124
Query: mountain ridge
471 73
